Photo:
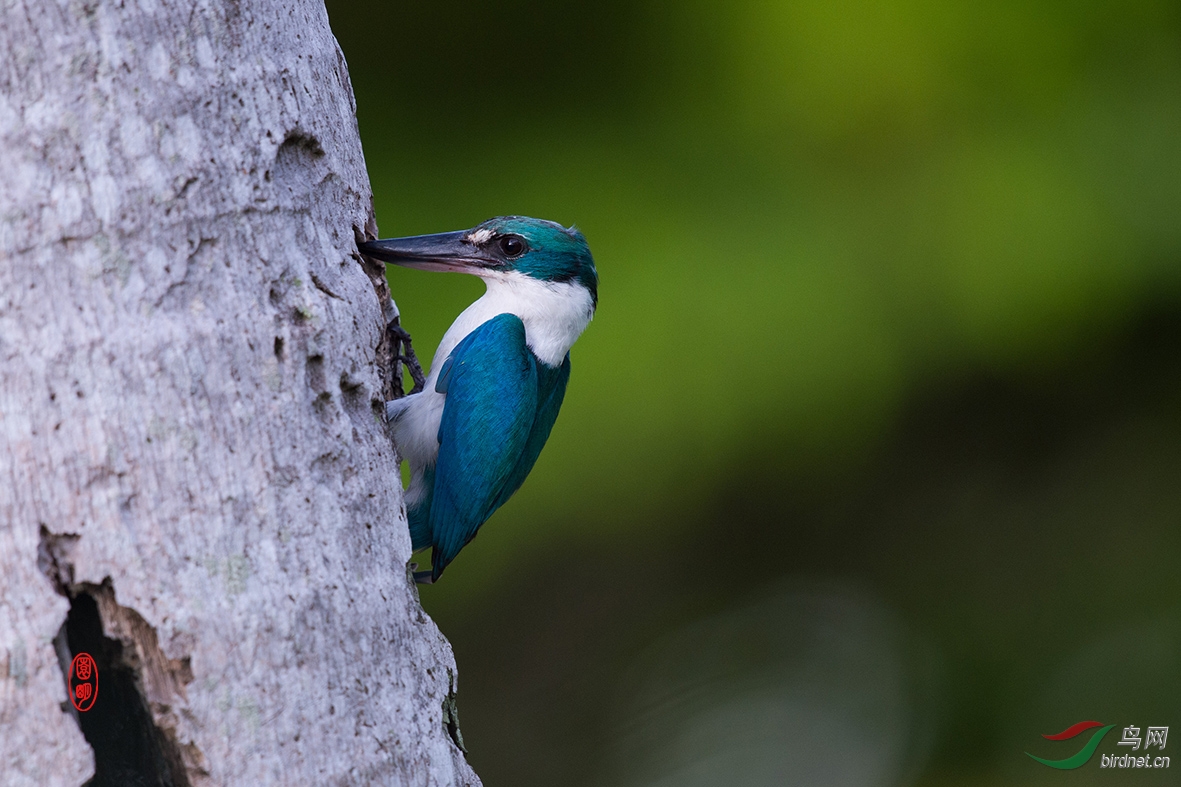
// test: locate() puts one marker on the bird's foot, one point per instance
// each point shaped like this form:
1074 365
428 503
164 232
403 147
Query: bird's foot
420 577
401 351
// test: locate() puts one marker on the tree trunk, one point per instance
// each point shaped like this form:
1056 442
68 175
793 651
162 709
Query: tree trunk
196 484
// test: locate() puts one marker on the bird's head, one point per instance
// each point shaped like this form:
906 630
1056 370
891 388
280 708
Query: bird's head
543 250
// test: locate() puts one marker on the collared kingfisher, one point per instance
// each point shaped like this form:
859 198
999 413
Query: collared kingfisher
473 432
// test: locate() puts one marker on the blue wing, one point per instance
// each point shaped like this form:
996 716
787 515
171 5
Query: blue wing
501 405
551 384
551 389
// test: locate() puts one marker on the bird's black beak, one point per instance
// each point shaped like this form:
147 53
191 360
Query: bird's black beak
445 251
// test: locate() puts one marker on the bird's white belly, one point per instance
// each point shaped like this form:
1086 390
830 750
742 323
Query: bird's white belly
416 432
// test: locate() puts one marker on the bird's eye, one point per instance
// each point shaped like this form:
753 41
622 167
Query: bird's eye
512 246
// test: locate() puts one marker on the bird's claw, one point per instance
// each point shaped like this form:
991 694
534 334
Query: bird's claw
401 351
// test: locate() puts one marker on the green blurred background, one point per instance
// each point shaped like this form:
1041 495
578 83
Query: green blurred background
870 467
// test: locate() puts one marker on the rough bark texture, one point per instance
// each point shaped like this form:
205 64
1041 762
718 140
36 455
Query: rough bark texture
192 464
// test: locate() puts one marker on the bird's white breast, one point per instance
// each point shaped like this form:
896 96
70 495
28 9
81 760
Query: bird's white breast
554 313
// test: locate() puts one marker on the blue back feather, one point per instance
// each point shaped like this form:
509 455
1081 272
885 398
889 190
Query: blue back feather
551 388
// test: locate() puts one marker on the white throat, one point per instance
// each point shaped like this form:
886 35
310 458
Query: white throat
554 314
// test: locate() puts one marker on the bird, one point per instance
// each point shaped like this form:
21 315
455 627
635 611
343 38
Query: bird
473 432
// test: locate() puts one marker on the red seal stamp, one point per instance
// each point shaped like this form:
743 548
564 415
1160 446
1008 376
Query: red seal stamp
83 682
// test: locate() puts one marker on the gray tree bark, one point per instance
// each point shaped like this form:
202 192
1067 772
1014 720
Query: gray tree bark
196 485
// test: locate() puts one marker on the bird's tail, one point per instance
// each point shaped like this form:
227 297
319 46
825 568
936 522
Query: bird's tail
418 513
419 518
